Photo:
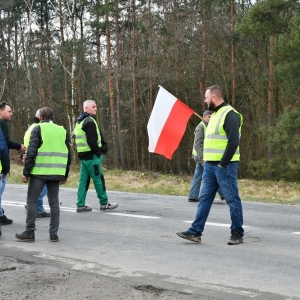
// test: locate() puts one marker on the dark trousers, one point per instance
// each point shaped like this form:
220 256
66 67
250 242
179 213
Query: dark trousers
36 185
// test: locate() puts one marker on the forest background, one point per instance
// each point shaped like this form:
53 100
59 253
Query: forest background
58 53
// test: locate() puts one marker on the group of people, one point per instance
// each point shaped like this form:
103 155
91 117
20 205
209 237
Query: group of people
46 156
47 163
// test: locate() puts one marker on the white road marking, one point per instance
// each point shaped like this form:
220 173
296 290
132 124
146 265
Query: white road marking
133 216
295 232
213 287
214 224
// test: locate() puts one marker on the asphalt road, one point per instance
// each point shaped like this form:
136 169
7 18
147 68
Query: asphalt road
135 251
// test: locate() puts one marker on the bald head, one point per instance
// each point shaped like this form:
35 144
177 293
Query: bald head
213 97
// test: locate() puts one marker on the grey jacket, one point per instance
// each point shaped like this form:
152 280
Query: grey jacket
198 142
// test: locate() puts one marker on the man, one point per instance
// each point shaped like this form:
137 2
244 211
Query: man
5 116
90 147
47 162
4 162
221 155
197 155
40 207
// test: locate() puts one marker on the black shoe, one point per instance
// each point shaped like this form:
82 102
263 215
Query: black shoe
235 239
5 221
53 237
26 236
43 215
189 236
193 200
223 198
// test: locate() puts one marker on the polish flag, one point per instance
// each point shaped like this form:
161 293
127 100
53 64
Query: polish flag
167 123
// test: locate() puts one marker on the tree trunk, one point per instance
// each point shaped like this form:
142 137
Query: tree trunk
110 84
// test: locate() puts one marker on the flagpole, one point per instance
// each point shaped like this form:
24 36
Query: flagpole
197 115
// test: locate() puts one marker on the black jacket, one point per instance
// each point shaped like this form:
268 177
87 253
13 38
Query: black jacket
34 144
90 129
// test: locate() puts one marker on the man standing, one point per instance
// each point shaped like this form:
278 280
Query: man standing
221 155
197 155
5 116
41 213
90 147
47 162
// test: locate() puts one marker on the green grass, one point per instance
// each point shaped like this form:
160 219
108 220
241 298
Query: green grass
156 183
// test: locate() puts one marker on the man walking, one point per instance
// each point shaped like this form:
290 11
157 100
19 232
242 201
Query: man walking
221 155
90 147
5 116
47 162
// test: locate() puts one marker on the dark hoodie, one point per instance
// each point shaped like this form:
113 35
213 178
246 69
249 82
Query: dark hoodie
90 129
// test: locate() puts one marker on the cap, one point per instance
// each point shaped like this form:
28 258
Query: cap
207 113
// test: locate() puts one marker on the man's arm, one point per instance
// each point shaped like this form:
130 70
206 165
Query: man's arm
34 143
231 127
10 144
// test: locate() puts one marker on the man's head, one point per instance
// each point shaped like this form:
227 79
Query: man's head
89 106
46 114
213 97
206 115
5 111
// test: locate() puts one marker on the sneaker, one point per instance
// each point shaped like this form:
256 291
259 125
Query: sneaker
83 208
53 237
189 236
193 200
43 215
5 221
26 236
222 198
108 206
235 239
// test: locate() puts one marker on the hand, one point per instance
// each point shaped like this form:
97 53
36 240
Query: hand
24 178
220 166
23 158
23 148
3 175
63 181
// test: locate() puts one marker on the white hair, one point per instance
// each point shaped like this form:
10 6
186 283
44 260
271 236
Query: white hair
87 102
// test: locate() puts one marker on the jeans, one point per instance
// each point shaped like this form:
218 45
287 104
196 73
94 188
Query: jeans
40 207
2 188
196 183
91 169
35 187
226 178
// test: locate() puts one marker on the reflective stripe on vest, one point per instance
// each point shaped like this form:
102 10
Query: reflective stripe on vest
215 141
52 156
81 141
204 127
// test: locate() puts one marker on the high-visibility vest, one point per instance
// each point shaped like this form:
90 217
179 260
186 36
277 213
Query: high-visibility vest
52 156
27 134
204 126
215 141
81 141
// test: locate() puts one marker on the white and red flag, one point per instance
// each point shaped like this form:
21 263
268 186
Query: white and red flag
167 123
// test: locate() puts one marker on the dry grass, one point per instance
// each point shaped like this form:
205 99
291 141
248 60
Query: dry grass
156 183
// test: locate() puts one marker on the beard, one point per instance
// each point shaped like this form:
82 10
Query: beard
210 106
